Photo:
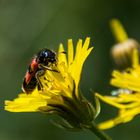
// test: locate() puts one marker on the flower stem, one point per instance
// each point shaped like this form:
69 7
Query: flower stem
99 133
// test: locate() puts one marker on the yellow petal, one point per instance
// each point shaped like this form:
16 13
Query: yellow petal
26 103
78 49
118 30
107 100
86 44
70 52
106 124
62 55
123 117
135 58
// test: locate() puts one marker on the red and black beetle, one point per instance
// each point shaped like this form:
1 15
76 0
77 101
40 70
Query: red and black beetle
39 64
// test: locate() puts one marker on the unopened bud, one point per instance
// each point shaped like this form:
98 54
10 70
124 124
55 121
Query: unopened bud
122 53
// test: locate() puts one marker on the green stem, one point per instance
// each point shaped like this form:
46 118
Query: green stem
99 133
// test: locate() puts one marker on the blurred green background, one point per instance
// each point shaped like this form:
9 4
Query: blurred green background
29 25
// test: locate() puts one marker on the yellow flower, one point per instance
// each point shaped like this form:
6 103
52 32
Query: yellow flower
60 92
61 95
127 98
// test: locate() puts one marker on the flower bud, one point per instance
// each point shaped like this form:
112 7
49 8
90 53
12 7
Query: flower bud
122 53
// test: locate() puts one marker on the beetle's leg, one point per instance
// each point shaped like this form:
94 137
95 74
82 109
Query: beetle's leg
48 68
37 75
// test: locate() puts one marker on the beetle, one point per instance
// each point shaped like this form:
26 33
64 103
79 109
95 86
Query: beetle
41 62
